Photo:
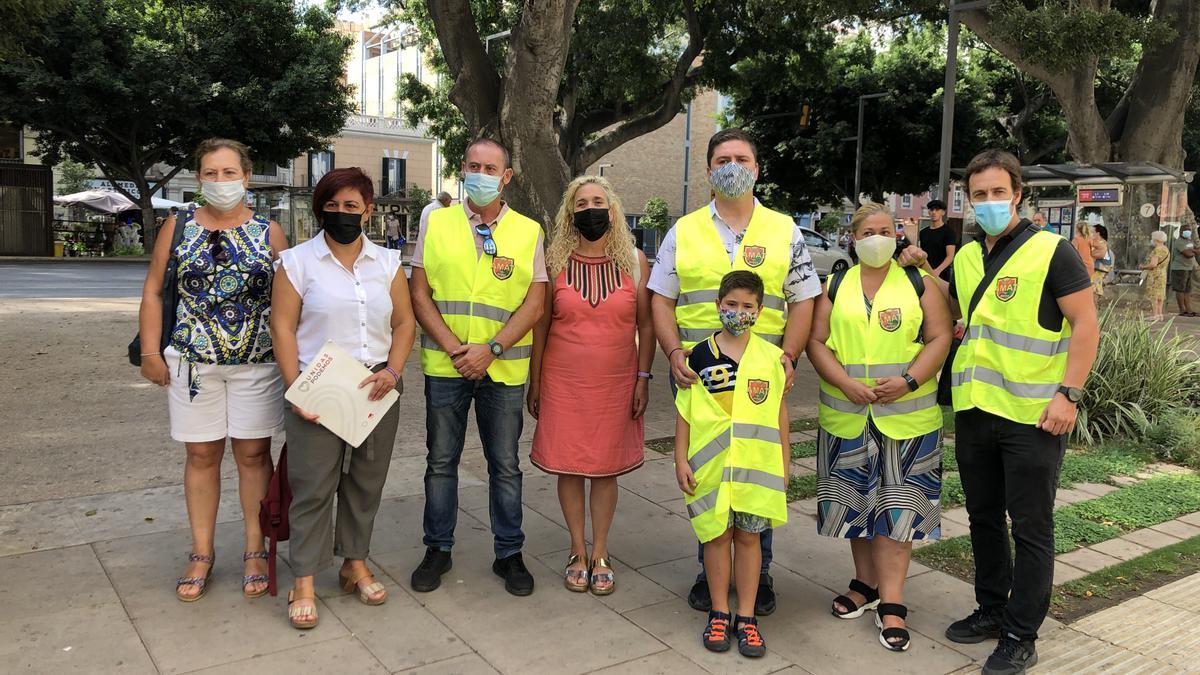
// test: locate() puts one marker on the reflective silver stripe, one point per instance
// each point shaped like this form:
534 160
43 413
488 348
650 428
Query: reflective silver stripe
1020 342
960 378
754 477
904 407
859 370
696 334
703 504
490 312
695 298
515 353
427 342
456 307
463 308
759 432
770 301
1018 389
839 405
707 453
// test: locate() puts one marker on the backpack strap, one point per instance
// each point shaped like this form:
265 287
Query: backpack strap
914 277
835 280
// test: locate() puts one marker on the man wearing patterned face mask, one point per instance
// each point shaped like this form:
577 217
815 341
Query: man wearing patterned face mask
732 232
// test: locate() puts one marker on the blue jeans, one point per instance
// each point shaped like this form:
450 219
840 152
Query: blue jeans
764 540
498 411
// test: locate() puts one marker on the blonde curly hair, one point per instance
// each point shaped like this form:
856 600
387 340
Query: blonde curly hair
564 238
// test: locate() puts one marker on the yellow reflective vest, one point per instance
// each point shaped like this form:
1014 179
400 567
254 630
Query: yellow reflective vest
701 261
1008 364
738 459
883 344
478 295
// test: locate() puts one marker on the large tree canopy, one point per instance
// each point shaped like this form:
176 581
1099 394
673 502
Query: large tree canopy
130 84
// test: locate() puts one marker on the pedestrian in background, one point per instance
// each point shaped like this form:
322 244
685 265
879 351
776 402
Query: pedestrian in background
340 287
391 231
1101 259
1155 284
590 376
938 240
440 202
1183 261
219 366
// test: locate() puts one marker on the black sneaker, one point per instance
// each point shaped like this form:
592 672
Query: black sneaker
428 575
1012 657
764 601
517 579
716 633
699 598
982 625
750 641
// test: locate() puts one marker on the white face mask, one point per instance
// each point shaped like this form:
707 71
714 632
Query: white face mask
223 195
875 250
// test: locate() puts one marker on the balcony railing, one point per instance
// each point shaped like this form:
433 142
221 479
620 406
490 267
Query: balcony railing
391 126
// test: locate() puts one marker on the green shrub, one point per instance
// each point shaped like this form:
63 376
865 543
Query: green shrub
1101 463
952 491
130 249
804 449
1150 502
802 487
1140 373
1175 437
949 459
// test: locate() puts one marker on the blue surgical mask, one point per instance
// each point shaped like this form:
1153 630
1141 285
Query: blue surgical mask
481 188
993 217
1186 234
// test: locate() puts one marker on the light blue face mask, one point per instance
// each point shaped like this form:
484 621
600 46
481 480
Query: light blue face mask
993 217
481 188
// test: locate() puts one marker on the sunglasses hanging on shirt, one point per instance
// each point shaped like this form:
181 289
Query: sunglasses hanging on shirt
489 244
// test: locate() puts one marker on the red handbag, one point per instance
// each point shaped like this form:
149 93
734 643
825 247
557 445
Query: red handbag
273 514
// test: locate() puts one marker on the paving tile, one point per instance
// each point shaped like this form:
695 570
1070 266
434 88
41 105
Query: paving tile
632 589
1190 519
655 482
532 634
676 506
644 533
677 576
799 469
406 476
387 630
228 626
1071 651
124 514
825 560
1151 539
343 655
37 526
1120 548
1073 495
1088 560
1064 573
679 627
1178 528
78 580
806 506
666 662
542 535
398 525
1096 489
1124 481
97 638
958 515
467 664
936 600
1184 593
1147 627
953 528
809 463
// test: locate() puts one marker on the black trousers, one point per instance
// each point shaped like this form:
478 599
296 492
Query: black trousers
1013 468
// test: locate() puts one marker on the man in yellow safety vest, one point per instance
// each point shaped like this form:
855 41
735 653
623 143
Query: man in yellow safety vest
732 232
1031 337
478 287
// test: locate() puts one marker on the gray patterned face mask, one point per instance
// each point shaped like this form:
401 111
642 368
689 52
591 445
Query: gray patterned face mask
732 180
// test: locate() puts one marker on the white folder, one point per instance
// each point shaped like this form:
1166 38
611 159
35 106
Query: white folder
328 388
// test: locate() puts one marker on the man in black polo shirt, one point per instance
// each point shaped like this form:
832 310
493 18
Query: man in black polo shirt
1016 379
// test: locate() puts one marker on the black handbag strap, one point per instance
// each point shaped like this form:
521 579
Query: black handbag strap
997 264
913 274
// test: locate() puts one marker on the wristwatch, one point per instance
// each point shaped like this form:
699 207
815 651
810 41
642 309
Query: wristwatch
1073 394
496 347
913 385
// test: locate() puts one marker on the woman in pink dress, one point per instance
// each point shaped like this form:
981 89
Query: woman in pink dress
590 370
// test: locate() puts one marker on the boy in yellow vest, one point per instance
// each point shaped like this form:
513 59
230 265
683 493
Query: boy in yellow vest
732 456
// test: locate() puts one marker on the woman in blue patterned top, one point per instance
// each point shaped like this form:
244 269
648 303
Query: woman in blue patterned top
219 368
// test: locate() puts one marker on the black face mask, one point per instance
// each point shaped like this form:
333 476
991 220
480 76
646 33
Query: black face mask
344 228
592 223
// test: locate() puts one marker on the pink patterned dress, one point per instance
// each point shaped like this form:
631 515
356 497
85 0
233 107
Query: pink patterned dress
589 369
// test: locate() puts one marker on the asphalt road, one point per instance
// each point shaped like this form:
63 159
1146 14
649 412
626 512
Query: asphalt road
71 279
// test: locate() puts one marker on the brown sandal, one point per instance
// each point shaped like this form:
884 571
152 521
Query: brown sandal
200 582
248 579
298 616
350 584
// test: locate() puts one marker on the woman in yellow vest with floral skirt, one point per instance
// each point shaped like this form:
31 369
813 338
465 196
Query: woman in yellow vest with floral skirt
877 343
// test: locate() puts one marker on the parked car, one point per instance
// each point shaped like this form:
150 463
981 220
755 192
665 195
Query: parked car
827 256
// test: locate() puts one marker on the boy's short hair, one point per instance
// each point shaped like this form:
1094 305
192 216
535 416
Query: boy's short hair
744 279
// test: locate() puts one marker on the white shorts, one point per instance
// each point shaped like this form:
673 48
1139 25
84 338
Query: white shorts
243 401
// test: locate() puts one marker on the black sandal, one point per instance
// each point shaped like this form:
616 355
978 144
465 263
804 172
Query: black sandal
886 635
853 611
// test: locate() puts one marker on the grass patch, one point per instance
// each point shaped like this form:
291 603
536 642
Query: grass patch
947 420
1099 464
802 487
804 449
952 491
1111 585
1150 502
949 459
663 446
804 424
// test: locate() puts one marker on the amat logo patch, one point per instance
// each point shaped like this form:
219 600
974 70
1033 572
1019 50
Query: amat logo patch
754 255
502 268
890 319
1006 288
758 391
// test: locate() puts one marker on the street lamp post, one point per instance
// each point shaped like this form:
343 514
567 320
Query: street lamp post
487 41
858 157
948 90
